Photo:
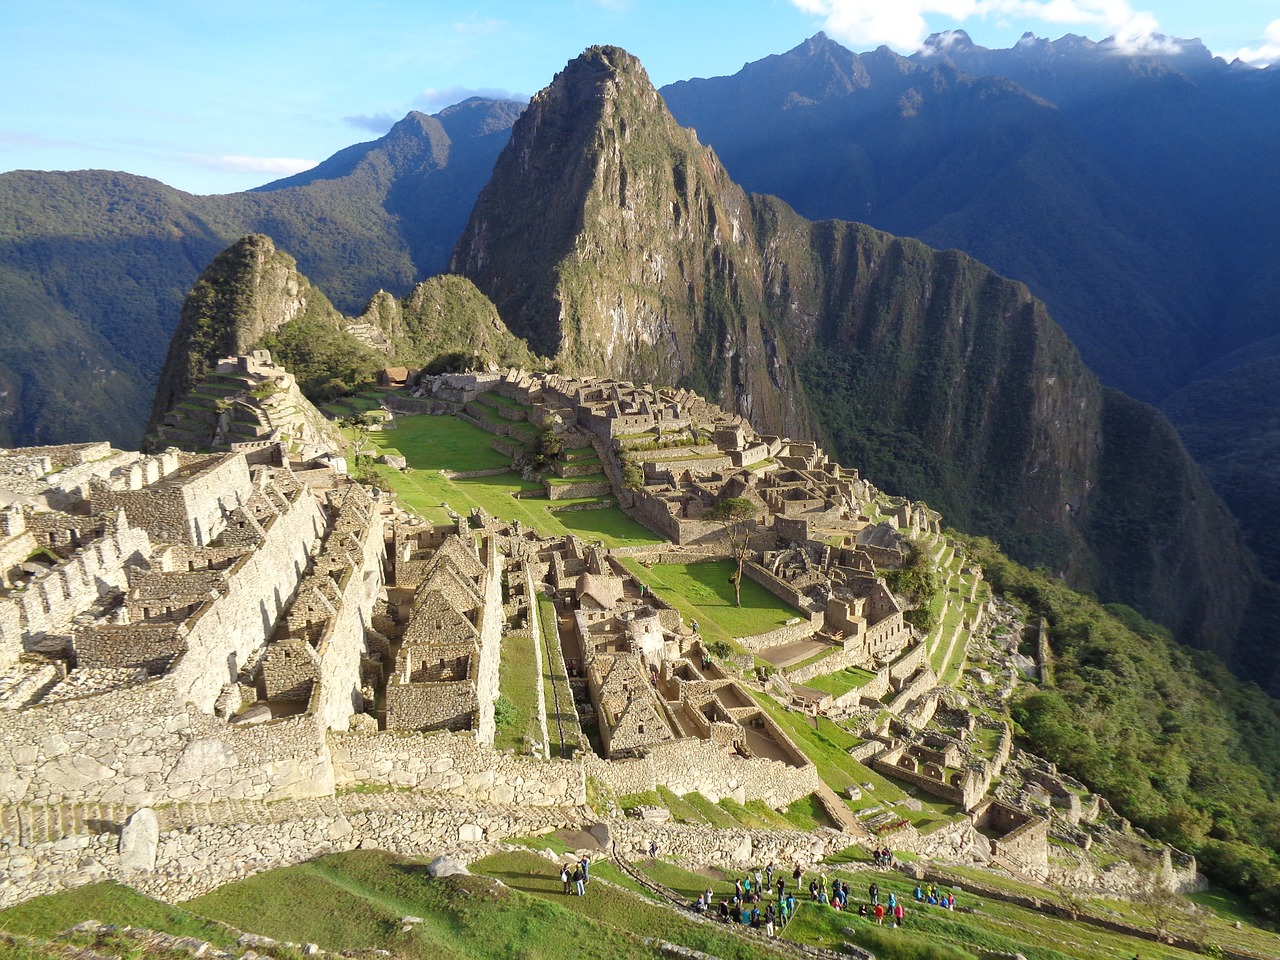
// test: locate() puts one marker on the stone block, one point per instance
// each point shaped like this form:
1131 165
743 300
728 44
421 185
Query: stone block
470 833
258 713
201 759
139 842
447 867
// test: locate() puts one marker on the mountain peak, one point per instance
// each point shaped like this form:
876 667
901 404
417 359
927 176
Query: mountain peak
948 41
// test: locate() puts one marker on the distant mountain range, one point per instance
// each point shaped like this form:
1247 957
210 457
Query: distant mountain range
94 265
1131 193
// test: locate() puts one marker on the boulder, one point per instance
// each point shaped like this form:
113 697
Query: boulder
602 834
258 713
139 842
447 867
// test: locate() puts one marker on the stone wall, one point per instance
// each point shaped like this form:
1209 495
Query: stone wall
779 588
146 646
490 645
688 766
48 604
783 635
223 635
359 537
223 845
144 745
455 764
655 514
734 850
189 505
569 491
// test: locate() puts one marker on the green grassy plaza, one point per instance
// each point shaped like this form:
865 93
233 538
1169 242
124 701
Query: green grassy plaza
702 592
431 444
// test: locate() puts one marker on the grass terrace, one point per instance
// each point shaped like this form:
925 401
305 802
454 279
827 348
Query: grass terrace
842 681
615 909
702 592
431 444
518 723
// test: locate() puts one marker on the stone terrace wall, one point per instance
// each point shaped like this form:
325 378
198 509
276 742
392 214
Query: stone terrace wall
685 766
223 634
144 745
731 849
48 604
234 843
453 763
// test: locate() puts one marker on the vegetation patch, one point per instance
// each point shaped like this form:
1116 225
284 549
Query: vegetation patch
704 592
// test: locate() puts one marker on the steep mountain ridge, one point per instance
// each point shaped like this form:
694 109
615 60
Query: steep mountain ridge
614 241
919 148
617 244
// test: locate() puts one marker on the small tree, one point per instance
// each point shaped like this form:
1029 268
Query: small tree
736 516
632 475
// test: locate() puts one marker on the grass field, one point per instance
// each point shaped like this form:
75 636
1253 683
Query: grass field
109 902
518 682
431 444
617 909
356 901
703 592
841 682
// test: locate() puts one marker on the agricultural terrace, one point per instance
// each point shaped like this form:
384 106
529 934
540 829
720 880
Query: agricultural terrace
434 444
704 592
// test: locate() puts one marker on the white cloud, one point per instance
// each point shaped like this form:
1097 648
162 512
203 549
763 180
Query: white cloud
433 99
1268 51
236 164
480 27
902 24
378 123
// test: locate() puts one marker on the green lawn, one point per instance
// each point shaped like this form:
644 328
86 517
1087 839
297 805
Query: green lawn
109 902
518 682
702 592
431 444
553 667
617 909
356 901
842 681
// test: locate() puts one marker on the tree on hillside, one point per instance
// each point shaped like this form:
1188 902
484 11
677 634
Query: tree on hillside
736 515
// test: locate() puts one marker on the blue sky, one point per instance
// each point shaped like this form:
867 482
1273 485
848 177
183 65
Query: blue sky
213 97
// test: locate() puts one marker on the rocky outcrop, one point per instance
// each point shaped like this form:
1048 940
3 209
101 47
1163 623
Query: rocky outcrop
617 244
249 291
